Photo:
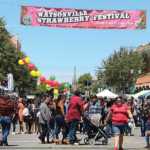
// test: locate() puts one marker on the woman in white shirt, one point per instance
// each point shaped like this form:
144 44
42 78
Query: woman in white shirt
26 116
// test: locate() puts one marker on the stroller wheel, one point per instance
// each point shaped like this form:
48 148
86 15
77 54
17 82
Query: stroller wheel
92 142
105 142
86 140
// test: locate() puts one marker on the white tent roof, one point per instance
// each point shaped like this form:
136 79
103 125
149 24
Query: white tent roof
144 92
3 88
106 93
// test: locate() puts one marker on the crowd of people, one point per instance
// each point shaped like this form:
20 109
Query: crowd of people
58 120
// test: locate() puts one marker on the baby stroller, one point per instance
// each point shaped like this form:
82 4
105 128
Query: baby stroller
94 133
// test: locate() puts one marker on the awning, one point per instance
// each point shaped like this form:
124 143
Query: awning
143 81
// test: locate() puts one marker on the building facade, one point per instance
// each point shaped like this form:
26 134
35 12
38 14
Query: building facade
16 42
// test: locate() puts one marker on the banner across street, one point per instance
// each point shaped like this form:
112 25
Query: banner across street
78 18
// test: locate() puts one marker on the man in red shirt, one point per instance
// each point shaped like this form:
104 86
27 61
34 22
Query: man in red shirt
119 114
73 116
8 107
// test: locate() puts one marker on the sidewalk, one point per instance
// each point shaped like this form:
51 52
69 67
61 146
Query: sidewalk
29 142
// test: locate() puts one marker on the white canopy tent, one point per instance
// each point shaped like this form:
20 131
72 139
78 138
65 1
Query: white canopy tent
3 88
106 93
142 93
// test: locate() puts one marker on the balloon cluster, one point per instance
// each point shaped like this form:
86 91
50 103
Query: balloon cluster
50 83
65 87
34 72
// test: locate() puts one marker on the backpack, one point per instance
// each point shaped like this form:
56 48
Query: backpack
7 106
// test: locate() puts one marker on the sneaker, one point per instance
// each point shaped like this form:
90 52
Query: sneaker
52 141
74 143
56 141
42 142
13 133
147 146
39 137
5 144
131 134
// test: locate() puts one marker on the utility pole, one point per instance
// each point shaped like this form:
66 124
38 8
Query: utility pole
74 79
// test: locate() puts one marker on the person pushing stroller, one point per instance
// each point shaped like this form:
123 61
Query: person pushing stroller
92 122
93 111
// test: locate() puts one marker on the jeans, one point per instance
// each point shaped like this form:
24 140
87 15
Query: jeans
28 123
44 131
5 122
143 126
51 133
118 129
72 130
60 124
14 122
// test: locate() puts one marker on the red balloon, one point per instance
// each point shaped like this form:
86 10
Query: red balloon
42 79
56 84
49 82
52 83
31 66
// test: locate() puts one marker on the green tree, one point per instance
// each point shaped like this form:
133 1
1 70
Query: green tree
9 57
144 50
146 57
121 69
85 81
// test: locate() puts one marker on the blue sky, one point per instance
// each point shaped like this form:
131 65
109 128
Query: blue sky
56 51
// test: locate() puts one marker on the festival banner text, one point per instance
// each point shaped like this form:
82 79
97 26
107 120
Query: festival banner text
76 18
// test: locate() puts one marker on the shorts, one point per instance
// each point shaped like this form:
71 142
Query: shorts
118 129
